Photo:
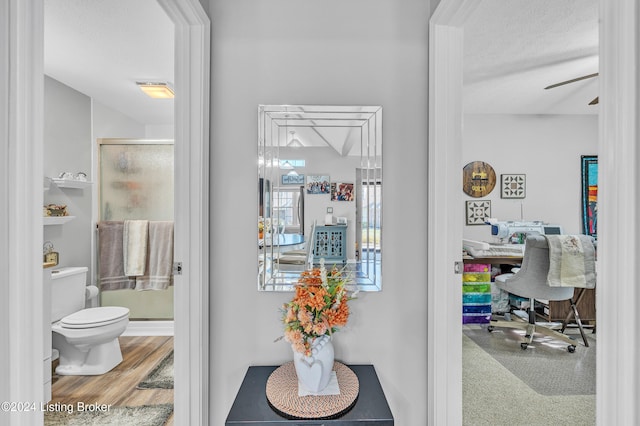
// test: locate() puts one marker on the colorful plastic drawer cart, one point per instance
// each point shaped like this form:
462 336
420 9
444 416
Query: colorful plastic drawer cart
476 294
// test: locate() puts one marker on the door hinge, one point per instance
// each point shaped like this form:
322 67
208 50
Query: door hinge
177 268
458 267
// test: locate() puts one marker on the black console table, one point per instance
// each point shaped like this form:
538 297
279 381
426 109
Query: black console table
252 408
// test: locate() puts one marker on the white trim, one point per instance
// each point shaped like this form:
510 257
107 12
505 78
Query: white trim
149 328
192 80
618 294
444 328
22 328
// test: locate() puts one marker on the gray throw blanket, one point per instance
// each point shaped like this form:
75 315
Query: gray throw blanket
571 261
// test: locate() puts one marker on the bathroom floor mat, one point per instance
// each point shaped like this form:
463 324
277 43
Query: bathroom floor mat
161 377
144 415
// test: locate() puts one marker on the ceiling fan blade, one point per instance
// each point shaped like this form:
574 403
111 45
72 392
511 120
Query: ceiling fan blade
595 101
562 83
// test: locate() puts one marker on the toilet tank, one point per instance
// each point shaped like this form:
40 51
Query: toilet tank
68 291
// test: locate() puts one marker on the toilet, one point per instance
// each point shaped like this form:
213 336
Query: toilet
86 339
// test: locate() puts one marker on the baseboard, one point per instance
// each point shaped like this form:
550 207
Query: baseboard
149 328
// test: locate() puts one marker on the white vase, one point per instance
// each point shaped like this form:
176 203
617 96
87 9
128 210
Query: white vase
314 372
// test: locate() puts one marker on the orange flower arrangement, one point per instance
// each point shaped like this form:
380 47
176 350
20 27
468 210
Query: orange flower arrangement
319 307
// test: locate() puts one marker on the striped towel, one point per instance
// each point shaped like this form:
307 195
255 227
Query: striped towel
159 265
134 246
571 261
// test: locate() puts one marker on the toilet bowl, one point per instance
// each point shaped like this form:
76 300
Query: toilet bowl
86 339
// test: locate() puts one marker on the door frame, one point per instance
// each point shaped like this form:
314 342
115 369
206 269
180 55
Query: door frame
192 80
617 376
21 77
444 224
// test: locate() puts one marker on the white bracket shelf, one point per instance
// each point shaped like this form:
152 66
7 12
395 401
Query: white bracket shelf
68 183
57 220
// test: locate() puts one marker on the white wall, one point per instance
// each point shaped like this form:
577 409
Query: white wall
109 123
360 52
67 147
547 149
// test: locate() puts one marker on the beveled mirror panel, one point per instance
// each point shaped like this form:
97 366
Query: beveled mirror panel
319 192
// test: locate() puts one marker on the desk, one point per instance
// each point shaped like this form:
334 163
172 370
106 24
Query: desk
510 260
252 408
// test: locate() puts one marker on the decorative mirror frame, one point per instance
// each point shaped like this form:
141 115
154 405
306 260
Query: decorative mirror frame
274 123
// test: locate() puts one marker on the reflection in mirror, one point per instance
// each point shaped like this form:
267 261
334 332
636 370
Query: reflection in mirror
320 192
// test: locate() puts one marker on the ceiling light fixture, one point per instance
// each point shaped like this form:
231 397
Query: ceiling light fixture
286 165
294 142
156 90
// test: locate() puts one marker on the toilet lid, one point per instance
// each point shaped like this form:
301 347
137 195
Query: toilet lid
95 317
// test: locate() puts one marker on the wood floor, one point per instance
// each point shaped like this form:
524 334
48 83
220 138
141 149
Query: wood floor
118 386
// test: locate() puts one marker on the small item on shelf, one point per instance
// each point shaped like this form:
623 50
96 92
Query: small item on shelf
66 175
55 210
51 258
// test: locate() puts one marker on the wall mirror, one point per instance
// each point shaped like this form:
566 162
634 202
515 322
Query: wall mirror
319 192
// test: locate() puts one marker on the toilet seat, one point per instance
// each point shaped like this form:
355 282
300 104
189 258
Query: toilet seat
94 317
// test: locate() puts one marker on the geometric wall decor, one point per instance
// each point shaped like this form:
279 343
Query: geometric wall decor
513 186
478 211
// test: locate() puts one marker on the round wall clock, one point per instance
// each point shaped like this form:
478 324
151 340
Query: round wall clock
478 179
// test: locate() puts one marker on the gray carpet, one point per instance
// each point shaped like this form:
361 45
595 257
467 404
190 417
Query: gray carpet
161 377
493 396
145 415
546 366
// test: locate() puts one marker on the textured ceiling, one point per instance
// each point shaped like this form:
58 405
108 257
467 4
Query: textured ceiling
515 48
102 47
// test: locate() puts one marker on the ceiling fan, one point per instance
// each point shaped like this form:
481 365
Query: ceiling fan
573 80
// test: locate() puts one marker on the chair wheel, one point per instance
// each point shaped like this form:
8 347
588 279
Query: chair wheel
490 328
523 346
571 348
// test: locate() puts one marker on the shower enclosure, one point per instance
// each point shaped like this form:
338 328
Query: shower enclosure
135 182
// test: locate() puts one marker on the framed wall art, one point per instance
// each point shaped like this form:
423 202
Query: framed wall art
589 168
513 186
477 211
478 179
318 184
288 179
341 191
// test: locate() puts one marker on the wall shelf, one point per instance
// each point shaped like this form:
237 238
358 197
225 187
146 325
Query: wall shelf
68 183
57 220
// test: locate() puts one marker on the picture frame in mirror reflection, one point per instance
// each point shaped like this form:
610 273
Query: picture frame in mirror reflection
297 179
318 184
345 143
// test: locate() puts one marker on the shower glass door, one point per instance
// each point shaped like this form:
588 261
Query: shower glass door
136 182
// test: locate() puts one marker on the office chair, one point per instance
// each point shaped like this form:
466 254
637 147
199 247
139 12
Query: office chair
531 281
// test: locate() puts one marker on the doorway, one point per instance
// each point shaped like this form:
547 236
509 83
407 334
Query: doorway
191 135
618 134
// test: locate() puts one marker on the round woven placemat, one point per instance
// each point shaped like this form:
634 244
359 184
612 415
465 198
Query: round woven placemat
282 394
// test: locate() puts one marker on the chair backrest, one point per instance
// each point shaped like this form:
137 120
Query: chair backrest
531 280
310 244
